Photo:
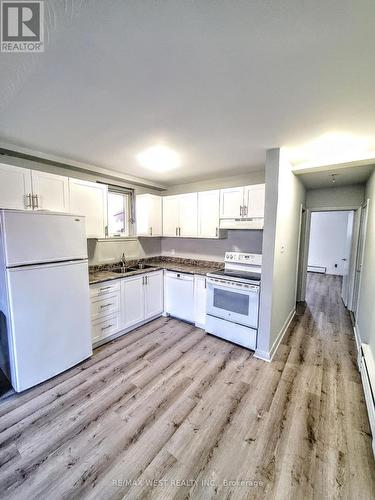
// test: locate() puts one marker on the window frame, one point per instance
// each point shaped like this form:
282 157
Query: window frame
128 194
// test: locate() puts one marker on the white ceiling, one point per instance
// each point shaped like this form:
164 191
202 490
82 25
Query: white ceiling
343 177
219 82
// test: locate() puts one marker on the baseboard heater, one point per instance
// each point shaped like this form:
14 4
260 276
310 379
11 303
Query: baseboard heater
367 369
317 269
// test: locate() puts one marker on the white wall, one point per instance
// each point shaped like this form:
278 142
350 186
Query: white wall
284 196
328 241
366 309
335 197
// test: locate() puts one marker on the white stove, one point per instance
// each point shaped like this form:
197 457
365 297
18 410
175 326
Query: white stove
233 299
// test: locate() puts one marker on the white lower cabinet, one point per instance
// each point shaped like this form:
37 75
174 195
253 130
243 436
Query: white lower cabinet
200 296
105 327
121 304
132 301
154 294
128 302
141 298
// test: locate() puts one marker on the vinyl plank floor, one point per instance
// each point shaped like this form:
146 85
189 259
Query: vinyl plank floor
168 411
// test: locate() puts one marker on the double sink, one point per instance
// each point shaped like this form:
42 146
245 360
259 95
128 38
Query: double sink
127 269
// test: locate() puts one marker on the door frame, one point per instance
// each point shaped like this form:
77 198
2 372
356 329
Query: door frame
305 243
364 207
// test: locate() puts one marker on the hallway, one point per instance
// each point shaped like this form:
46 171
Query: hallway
168 403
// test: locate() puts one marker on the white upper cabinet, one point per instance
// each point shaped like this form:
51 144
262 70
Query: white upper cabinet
90 199
208 214
180 215
243 202
188 215
231 203
149 215
15 187
254 197
171 207
50 191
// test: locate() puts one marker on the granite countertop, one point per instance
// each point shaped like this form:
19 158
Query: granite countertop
98 274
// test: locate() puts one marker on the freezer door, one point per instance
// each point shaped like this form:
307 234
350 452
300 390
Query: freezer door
50 320
38 237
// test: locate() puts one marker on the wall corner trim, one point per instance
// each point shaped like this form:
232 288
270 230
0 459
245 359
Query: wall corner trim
268 356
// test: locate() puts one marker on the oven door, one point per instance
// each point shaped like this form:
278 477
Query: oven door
234 302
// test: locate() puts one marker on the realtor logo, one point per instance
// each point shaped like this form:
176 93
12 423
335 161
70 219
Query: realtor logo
22 26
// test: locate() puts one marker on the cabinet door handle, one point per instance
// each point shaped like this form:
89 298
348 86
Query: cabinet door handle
150 231
106 305
106 327
245 210
176 231
104 288
146 280
217 232
35 202
179 231
241 210
28 202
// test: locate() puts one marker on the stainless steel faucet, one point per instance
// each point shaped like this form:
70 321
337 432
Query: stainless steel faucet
123 261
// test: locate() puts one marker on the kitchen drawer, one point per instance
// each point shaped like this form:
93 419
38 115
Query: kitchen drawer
105 288
105 327
105 306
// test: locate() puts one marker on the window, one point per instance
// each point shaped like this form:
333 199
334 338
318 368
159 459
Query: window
120 213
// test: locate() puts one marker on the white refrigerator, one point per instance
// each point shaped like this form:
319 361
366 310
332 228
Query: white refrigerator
44 295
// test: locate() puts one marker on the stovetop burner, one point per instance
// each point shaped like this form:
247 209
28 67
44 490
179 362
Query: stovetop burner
243 275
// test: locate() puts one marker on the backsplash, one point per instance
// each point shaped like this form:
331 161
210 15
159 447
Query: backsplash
109 252
214 250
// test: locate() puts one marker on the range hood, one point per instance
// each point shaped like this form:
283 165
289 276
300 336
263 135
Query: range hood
256 223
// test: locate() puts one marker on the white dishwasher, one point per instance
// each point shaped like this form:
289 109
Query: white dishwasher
179 295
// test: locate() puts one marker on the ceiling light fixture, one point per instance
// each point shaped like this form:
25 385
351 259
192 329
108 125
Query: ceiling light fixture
159 158
333 178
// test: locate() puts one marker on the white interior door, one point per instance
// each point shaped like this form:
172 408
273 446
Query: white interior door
90 199
346 259
254 200
50 317
208 214
359 258
188 215
153 294
52 191
231 202
15 186
170 215
132 301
